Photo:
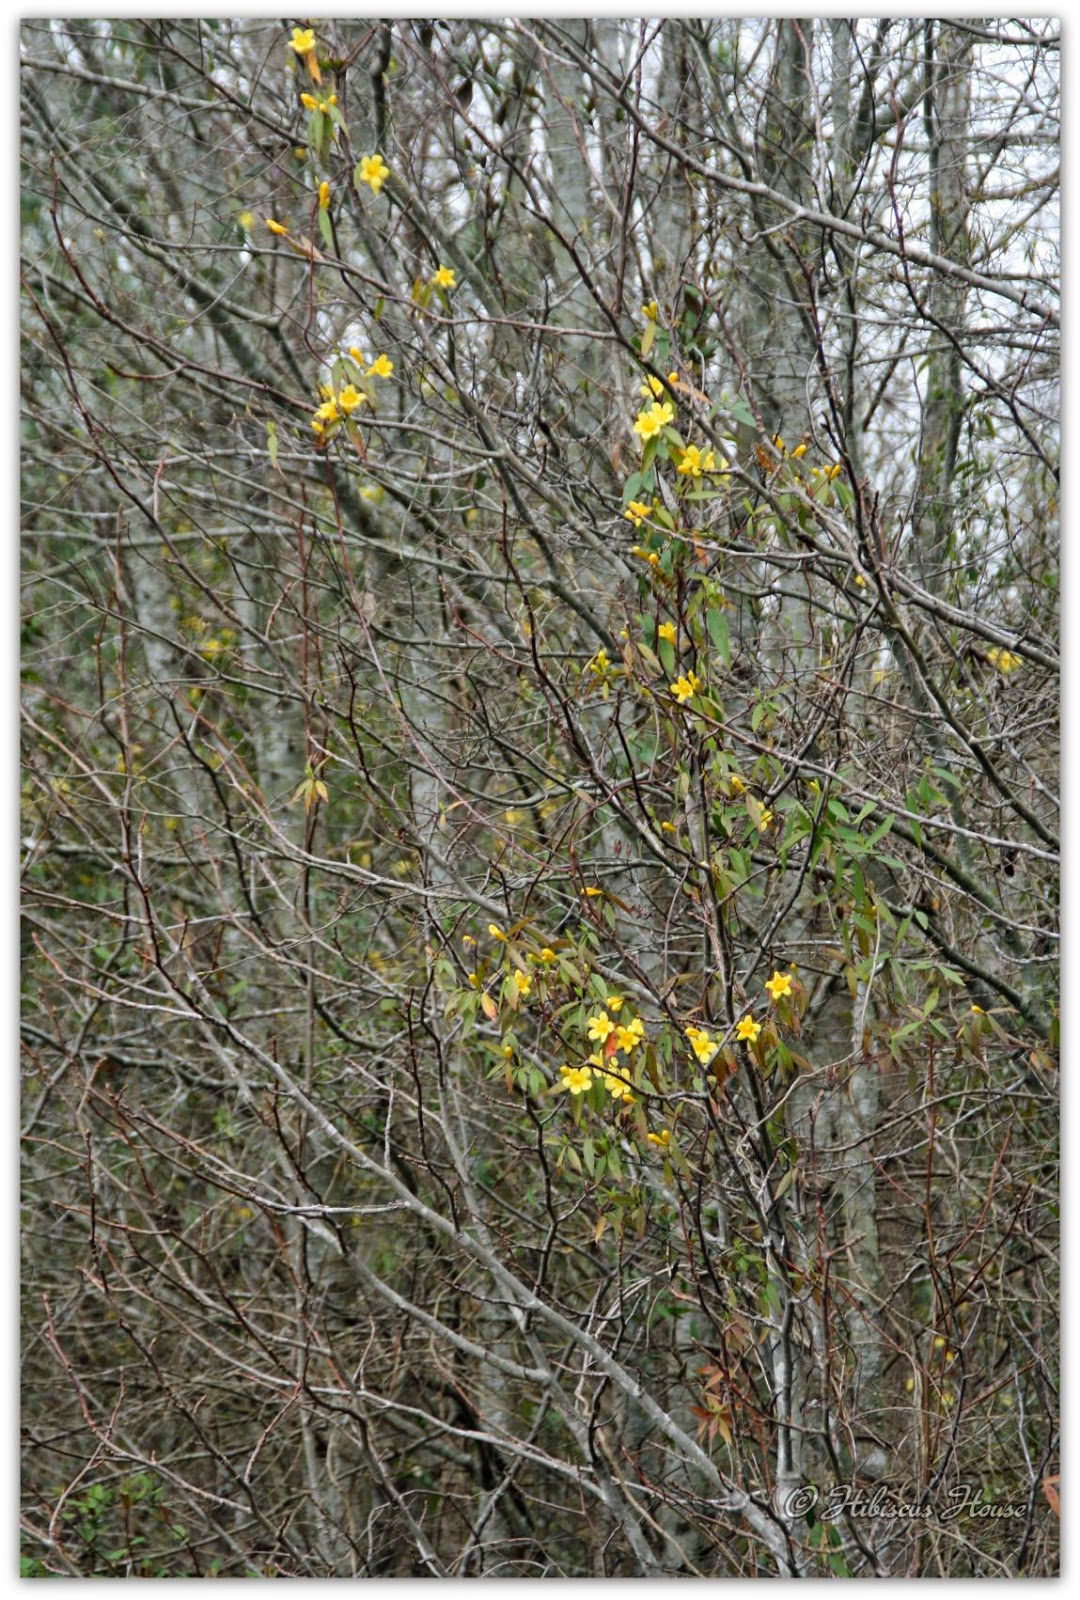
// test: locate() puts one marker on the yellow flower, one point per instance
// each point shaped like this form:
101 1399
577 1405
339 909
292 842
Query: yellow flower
302 41
657 417
600 662
309 101
594 894
686 687
358 355
673 378
373 171
666 630
764 820
978 1010
327 412
748 1030
636 512
652 388
508 1051
445 278
615 1002
496 932
704 1046
275 227
779 443
324 196
799 451
693 463
523 984
669 827
779 985
663 1138
547 956
601 1027
737 785
650 312
1003 660
381 367
627 1039
618 1088
576 1079
349 398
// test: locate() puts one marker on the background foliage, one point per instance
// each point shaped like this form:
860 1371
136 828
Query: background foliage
539 836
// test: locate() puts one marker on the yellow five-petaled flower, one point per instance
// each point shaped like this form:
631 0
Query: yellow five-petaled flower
693 463
601 1027
686 687
636 512
381 367
302 44
704 1046
373 171
656 418
445 278
748 1030
618 1088
666 630
779 985
350 398
576 1079
627 1039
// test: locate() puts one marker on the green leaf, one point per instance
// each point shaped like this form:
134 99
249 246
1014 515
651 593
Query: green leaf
718 632
879 833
